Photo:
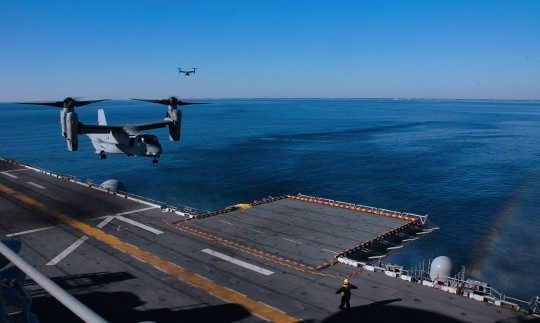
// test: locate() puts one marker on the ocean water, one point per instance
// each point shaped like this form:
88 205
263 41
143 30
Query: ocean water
473 166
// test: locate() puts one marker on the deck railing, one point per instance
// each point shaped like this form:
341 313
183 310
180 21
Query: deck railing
73 304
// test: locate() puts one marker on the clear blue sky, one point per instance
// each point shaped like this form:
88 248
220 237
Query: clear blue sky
121 49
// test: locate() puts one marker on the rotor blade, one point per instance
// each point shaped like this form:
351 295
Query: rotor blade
160 101
168 101
82 103
58 104
190 103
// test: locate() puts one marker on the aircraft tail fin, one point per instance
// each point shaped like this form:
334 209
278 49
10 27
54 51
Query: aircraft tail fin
102 121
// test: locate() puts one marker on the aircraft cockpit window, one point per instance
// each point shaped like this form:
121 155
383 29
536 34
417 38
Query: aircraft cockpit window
149 139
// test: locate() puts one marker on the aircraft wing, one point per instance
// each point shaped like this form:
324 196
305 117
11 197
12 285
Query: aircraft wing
90 128
153 125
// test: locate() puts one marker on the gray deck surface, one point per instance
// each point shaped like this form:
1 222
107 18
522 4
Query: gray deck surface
303 231
120 287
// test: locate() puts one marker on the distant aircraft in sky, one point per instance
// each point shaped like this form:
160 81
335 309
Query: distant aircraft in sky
187 73
128 139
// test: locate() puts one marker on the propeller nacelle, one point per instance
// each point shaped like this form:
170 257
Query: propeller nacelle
176 116
173 113
69 121
175 128
70 127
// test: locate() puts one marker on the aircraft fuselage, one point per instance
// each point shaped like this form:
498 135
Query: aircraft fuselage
122 143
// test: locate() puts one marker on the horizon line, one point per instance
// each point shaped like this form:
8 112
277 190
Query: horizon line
324 98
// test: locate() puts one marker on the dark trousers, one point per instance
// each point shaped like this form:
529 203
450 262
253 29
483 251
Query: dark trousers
345 300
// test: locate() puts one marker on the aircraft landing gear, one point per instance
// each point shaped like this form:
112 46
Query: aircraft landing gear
102 155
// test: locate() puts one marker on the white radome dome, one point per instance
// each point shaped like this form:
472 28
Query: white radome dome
111 184
441 267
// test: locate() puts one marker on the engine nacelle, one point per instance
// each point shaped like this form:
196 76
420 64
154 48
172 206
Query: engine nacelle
63 113
174 128
70 129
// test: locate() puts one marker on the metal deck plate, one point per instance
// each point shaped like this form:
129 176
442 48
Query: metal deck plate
302 231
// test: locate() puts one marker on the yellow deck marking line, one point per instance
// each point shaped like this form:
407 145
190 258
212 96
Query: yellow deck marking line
226 294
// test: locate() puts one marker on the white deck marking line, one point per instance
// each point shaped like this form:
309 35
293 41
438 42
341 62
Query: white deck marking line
256 230
135 211
229 223
9 175
36 185
67 251
292 240
105 221
28 231
107 218
15 170
407 240
330 251
238 262
128 212
138 224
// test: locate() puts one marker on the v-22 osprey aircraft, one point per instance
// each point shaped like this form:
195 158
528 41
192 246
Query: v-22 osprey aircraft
126 139
186 72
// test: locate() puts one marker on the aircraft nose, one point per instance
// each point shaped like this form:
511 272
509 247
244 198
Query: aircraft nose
153 150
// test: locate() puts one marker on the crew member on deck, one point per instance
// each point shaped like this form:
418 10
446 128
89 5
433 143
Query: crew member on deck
345 291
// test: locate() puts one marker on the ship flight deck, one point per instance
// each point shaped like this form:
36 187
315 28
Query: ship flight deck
278 259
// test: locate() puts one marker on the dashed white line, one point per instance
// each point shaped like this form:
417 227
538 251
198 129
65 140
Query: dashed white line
28 231
67 251
36 185
163 271
332 251
292 240
238 262
138 224
411 239
229 223
254 230
15 170
139 259
9 175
